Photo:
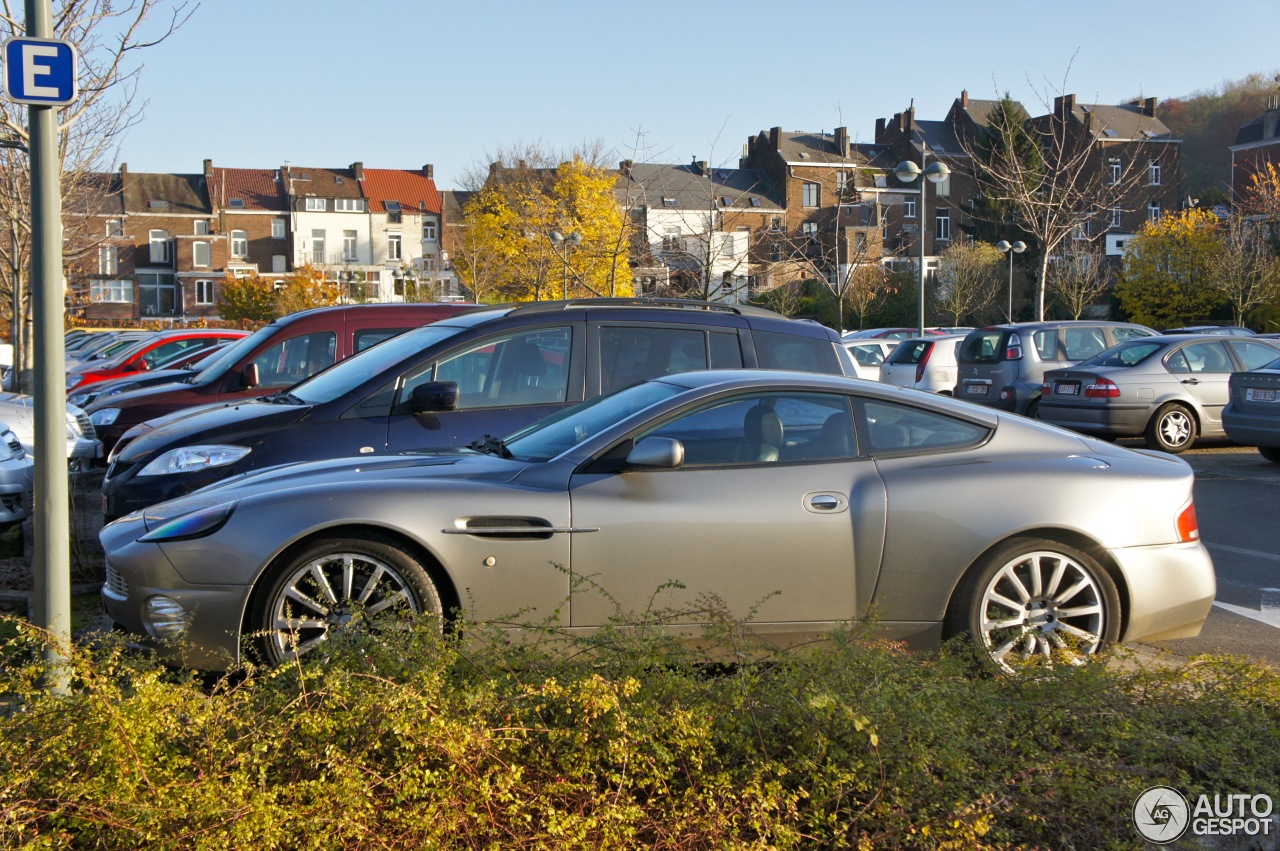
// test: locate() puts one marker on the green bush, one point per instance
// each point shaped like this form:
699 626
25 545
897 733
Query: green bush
626 739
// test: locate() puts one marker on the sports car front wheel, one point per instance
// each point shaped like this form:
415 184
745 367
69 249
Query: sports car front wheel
1035 600
337 584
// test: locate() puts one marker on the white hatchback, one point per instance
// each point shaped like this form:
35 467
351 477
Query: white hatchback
923 363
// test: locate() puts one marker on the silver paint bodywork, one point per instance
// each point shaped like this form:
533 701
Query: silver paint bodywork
802 546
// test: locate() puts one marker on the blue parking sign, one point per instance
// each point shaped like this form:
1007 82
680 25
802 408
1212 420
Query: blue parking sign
40 71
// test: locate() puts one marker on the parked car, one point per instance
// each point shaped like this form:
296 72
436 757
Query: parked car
923 363
274 357
180 367
83 447
16 479
105 347
1003 365
1228 330
506 366
803 501
1169 389
868 354
888 333
1252 415
147 353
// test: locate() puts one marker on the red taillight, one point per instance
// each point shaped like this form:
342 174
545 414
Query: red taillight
924 359
1188 526
1013 348
1102 388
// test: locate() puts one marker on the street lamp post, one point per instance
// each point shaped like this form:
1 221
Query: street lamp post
936 171
1011 249
562 244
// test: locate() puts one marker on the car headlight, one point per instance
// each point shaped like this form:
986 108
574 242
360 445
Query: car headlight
195 524
8 440
73 380
104 416
188 459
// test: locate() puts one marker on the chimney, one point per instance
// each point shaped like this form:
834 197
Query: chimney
775 138
358 168
429 171
625 168
880 126
1149 107
842 141
1064 105
964 99
700 167
124 171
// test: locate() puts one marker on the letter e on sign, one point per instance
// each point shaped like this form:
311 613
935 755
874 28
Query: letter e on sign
40 71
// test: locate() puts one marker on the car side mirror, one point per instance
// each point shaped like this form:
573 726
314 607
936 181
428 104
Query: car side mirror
656 453
249 376
434 396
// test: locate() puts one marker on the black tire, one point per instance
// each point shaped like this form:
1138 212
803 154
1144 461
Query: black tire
1173 429
1071 608
1033 410
291 615
1271 453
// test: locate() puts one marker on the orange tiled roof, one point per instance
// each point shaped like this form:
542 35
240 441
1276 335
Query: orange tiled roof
257 187
413 189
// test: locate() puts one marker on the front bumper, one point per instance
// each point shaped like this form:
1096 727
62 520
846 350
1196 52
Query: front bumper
1170 590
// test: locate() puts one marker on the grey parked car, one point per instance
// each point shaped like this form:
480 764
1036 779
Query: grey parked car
1170 389
1252 415
1003 366
802 500
923 363
16 478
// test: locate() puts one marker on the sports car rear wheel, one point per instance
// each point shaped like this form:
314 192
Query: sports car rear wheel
1036 600
337 584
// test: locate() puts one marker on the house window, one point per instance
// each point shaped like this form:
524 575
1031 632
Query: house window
860 243
348 245
159 240
277 263
348 205
202 227
943 187
115 227
277 228
317 246
393 246
429 231
1116 213
316 205
810 231
204 292
1153 211
908 208
671 239
775 223
157 296
239 243
1114 165
810 197
107 260
112 292
942 224
429 263
727 246
775 251
201 256
842 181
394 215
1153 173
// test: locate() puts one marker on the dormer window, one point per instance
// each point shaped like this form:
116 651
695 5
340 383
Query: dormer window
670 202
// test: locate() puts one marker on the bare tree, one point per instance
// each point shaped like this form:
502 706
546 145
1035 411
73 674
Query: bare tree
968 279
1245 269
1078 277
109 36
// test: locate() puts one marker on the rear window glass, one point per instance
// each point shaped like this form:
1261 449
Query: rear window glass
982 347
909 352
805 354
1046 343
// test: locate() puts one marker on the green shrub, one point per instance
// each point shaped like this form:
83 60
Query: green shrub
626 739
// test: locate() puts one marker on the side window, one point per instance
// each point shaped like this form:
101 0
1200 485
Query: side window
805 354
630 355
529 368
167 350
867 355
764 429
365 338
892 427
1207 357
1123 333
1046 343
726 351
1083 343
1252 355
292 360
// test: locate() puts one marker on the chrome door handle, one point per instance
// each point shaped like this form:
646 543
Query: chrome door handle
823 502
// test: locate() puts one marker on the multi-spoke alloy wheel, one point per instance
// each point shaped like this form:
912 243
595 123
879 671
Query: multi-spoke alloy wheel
1172 429
1040 600
339 584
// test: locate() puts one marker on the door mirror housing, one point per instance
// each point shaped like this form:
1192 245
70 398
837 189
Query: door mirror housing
249 376
656 453
434 396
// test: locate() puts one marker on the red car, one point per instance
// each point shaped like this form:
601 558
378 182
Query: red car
157 348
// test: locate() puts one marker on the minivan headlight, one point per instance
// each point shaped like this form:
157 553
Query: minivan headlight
188 459
104 416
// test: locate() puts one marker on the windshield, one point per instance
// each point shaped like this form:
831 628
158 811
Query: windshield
351 373
1131 353
232 354
560 432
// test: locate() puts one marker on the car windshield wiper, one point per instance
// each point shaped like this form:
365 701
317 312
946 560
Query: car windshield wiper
284 397
491 445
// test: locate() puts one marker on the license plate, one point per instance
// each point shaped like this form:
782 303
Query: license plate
1254 394
1066 389
975 390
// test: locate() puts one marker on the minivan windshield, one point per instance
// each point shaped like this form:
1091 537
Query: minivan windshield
350 373
232 354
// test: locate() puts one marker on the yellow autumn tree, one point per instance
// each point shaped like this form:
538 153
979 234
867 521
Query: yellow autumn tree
586 206
306 287
249 297
1166 279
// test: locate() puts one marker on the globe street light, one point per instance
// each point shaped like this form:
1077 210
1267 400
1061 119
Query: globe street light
562 244
907 172
1016 248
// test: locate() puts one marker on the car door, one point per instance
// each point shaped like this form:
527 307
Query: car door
1204 370
773 516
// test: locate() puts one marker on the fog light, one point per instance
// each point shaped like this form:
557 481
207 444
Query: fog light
164 617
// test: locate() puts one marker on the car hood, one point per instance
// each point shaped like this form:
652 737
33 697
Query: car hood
333 474
134 397
215 423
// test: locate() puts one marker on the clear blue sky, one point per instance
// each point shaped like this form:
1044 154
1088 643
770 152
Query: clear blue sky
400 83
